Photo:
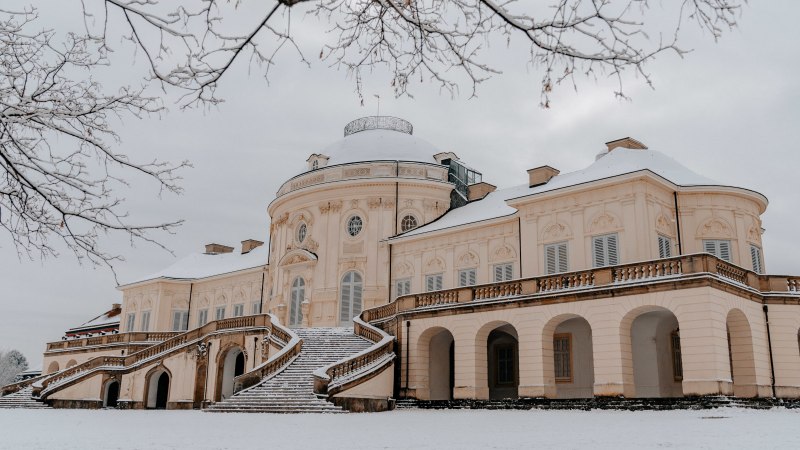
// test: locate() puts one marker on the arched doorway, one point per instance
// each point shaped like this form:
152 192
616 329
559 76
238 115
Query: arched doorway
53 367
740 355
569 363
111 395
350 298
231 366
296 305
502 353
656 353
441 366
158 389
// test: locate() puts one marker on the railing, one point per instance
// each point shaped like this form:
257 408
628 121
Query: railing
647 270
359 367
381 312
139 336
731 272
50 383
14 387
565 281
793 284
292 346
436 298
378 123
504 289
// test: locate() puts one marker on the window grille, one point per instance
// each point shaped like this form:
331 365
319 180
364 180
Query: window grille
408 223
562 357
354 225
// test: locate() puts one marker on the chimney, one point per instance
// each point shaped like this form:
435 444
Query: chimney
213 249
116 306
479 190
626 142
541 175
250 244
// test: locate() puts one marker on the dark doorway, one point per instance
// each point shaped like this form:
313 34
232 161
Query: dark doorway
163 391
503 357
239 369
112 394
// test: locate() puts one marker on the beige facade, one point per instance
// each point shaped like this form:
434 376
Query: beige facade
634 277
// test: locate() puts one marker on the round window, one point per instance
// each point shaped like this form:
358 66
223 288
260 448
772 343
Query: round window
408 223
302 230
354 225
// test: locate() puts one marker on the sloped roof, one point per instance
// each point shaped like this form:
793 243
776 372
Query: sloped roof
374 145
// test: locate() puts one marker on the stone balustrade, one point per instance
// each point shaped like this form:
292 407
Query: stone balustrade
126 338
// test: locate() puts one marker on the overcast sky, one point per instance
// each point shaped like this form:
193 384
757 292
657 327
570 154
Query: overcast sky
728 111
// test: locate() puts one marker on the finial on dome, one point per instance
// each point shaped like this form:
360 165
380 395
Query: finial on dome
378 123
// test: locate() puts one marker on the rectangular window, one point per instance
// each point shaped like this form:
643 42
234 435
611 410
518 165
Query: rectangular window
467 277
605 251
220 313
131 322
433 282
402 287
256 308
238 310
664 247
202 317
505 365
677 364
562 357
503 272
145 321
180 320
555 258
719 248
757 259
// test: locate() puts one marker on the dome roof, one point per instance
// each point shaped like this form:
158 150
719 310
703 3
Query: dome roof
380 144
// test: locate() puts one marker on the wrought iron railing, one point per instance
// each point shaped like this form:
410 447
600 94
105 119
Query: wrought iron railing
378 123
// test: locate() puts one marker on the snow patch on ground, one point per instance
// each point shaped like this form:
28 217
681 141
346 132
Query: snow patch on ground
727 428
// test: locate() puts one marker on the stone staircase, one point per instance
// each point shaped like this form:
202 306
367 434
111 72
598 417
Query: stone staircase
21 399
292 389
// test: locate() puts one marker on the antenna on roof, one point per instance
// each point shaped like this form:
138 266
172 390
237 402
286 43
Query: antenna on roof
379 104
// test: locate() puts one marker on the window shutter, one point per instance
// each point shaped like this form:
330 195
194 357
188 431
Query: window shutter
755 256
710 247
664 247
429 283
439 282
345 300
599 253
550 259
498 273
176 321
508 272
725 250
472 277
613 256
356 300
463 278
563 261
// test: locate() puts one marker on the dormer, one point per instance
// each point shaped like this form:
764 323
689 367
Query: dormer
626 142
445 157
317 161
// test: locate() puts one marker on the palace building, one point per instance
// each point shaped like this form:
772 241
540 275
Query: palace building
393 271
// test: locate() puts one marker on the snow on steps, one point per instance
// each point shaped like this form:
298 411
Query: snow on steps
292 389
21 399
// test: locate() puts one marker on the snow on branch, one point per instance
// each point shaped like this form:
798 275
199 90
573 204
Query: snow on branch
58 166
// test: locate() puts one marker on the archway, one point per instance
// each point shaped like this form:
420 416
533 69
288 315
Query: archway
740 353
229 366
53 367
441 366
655 349
111 394
569 356
157 389
350 297
296 304
502 355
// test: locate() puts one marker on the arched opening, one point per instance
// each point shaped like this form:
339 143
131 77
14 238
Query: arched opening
502 354
350 298
297 295
231 366
655 348
740 355
201 374
71 363
53 367
569 362
157 389
111 395
441 366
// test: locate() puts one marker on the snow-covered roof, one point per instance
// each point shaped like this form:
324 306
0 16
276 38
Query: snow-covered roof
101 320
620 161
375 145
203 265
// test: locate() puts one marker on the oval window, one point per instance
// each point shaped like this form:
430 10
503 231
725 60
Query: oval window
409 222
302 230
354 225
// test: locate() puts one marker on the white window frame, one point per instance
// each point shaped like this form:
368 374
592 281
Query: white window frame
219 313
129 326
145 321
434 282
180 319
664 246
402 287
719 248
757 258
503 272
560 262
605 250
256 308
202 317
238 310
468 277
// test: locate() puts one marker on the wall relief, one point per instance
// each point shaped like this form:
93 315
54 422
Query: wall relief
715 227
468 259
556 232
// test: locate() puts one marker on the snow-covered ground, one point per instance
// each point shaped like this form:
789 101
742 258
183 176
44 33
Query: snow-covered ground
721 428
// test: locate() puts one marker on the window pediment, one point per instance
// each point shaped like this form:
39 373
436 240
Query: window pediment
298 256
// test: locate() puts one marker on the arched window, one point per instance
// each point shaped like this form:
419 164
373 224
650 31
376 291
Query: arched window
354 225
409 222
298 293
302 231
350 305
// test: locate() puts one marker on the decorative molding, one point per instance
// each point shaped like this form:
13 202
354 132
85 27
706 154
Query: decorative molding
664 225
503 253
754 232
555 232
311 244
715 227
468 259
297 256
404 270
435 264
336 206
374 202
354 203
604 221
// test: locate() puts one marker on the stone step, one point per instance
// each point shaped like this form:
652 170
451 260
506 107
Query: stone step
21 399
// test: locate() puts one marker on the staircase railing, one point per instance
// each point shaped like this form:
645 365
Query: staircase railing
120 338
291 345
54 382
357 368
18 386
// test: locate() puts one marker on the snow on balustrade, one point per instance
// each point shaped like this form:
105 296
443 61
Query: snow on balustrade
436 298
731 272
793 284
566 281
496 290
647 270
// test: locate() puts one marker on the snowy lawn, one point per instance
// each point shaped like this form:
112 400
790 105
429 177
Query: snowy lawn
82 430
